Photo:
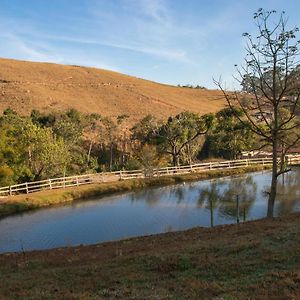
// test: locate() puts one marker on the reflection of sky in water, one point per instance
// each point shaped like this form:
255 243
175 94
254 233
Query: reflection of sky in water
153 210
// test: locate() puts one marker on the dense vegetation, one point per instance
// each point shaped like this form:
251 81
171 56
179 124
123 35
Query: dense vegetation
43 145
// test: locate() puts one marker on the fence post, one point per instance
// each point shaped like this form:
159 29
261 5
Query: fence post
27 192
247 162
120 174
167 170
210 165
50 184
237 210
77 181
10 191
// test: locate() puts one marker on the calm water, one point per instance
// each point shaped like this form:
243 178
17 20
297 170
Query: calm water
156 210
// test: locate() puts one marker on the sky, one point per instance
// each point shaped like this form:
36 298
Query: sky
168 41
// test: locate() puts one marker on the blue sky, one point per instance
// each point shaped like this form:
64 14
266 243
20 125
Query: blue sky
169 41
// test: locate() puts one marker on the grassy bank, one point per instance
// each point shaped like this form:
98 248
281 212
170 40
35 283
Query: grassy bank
21 203
253 260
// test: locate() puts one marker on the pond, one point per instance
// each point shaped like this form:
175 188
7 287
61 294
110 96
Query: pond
153 210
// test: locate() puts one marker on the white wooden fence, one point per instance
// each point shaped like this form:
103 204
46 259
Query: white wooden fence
72 181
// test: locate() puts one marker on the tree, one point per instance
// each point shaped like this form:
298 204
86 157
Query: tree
47 155
115 136
229 136
179 131
143 132
149 159
91 132
12 149
268 74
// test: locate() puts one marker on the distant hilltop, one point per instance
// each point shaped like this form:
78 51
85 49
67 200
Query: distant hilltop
45 86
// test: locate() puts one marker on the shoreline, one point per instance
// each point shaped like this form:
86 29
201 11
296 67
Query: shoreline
25 202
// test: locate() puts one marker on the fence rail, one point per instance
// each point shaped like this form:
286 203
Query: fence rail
72 181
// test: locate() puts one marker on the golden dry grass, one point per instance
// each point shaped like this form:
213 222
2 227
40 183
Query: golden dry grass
44 86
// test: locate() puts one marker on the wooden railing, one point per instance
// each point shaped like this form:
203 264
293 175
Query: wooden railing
72 181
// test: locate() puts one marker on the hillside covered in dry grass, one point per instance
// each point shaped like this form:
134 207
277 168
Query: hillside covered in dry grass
44 86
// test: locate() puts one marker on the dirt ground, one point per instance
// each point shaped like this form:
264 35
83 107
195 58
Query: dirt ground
253 260
44 86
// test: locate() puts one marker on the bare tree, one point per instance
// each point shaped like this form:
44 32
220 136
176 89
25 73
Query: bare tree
270 78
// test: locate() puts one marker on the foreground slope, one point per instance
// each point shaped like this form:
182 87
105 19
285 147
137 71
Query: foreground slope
254 260
44 86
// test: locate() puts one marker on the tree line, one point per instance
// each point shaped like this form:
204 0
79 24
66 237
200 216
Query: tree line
45 145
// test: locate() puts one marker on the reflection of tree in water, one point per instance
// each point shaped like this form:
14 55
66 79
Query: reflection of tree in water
178 192
209 198
223 197
153 196
182 192
173 193
150 196
288 190
245 190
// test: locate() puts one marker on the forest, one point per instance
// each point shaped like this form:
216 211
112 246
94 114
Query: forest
47 145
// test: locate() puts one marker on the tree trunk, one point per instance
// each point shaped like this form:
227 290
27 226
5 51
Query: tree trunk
123 150
89 152
211 213
175 159
189 153
111 157
273 190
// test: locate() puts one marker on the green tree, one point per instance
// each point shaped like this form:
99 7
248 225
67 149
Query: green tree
229 136
179 131
47 155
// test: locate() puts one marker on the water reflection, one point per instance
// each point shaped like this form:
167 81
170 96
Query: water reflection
153 210
288 194
175 195
209 199
222 197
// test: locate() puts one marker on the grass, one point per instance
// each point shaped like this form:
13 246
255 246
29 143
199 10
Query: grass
253 260
91 90
21 203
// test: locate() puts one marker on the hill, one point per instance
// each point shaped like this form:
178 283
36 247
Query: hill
46 86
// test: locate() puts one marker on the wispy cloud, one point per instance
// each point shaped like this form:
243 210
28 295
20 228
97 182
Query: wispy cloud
23 49
146 26
28 43
15 44
171 54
